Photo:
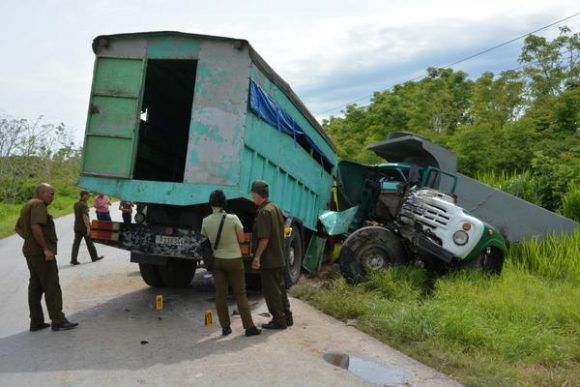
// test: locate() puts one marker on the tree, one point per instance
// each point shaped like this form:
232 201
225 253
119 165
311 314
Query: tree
30 152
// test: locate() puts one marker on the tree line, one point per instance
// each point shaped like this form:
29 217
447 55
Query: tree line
519 129
33 152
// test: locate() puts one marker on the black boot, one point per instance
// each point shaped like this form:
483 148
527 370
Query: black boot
226 331
273 325
64 326
37 327
253 331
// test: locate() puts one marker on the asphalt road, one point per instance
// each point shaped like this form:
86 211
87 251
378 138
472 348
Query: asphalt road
123 341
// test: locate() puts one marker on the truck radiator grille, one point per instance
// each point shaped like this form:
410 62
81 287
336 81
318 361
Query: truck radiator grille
431 215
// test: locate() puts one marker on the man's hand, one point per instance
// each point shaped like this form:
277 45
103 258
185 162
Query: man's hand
48 255
256 263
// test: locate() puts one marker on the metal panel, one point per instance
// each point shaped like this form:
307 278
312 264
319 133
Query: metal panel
515 218
113 119
217 120
178 47
120 48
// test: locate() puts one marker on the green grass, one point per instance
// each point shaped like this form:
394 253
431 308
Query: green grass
520 328
9 213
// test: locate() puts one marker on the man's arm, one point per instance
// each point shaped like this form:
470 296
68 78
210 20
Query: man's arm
87 223
262 244
19 230
39 237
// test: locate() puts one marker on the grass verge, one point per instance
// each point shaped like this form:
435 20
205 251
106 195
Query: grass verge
9 213
521 328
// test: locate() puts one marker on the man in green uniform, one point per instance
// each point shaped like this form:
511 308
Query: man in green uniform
268 237
36 227
82 228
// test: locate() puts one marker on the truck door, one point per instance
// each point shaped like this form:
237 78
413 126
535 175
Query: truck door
113 119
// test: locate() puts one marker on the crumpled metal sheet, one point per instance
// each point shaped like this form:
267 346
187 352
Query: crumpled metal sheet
336 223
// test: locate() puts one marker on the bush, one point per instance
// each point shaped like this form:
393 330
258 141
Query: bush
571 202
522 185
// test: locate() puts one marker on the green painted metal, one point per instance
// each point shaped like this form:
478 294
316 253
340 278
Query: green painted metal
178 47
337 223
110 140
438 172
228 145
495 240
313 256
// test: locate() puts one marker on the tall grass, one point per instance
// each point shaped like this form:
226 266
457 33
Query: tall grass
554 257
571 202
520 328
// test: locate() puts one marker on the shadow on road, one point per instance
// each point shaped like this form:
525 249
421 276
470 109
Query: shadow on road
110 334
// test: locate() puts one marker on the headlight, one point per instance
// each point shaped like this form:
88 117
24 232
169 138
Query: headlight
460 237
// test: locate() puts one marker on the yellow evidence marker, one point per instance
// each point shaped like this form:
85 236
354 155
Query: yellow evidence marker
208 317
159 302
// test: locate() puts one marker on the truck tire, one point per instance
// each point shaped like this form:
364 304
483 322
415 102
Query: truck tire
150 275
370 249
489 261
178 273
294 253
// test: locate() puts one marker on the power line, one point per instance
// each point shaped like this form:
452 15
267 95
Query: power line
467 58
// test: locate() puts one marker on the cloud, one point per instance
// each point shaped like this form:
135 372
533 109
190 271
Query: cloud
331 52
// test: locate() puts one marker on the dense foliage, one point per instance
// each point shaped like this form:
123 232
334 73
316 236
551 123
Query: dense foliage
522 123
30 153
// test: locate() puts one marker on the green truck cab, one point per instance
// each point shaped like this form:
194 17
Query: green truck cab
174 116
404 214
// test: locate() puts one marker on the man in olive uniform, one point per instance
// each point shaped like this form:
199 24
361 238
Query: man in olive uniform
36 227
82 228
268 235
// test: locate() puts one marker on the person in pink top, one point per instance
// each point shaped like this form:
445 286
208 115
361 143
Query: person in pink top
101 204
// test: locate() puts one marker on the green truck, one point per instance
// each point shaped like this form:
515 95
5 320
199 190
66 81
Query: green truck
174 116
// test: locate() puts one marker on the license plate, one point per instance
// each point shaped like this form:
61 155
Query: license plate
169 240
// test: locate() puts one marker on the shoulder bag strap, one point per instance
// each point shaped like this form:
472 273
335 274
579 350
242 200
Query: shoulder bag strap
219 233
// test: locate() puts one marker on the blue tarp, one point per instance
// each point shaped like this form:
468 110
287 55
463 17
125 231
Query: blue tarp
270 111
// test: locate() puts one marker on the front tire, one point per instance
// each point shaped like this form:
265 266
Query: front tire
370 249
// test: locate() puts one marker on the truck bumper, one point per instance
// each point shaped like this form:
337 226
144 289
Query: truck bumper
154 240
426 247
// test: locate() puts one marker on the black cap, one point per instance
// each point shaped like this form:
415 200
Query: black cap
260 187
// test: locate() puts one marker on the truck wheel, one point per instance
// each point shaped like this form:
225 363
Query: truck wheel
150 275
370 249
294 253
489 261
178 273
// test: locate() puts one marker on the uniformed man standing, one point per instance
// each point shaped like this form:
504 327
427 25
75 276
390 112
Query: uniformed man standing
82 228
36 227
268 237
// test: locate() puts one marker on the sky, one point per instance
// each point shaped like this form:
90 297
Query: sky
331 52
